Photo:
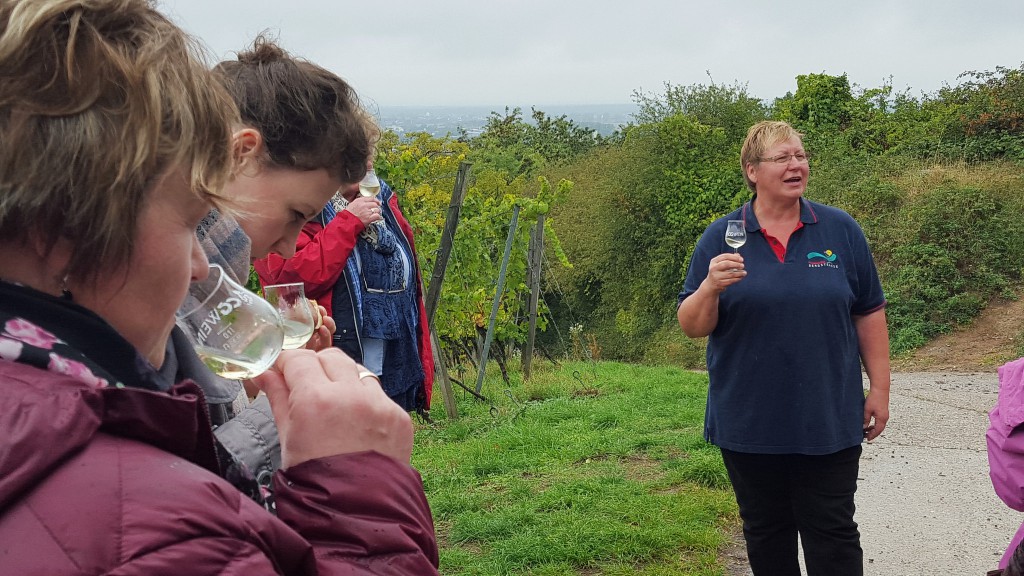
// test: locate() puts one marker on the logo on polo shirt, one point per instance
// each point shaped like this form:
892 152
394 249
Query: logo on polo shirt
819 260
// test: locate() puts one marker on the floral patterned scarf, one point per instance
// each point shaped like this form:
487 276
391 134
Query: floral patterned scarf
88 348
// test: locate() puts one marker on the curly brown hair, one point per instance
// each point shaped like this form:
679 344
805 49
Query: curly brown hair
309 117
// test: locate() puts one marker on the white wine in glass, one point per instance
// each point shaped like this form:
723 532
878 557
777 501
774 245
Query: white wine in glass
296 312
369 186
735 234
296 333
236 333
237 366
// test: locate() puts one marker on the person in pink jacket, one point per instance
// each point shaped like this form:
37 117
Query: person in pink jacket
113 145
1005 439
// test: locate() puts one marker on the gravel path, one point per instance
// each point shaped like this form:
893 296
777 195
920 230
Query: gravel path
925 504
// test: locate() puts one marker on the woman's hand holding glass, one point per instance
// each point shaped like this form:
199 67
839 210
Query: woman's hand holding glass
366 206
323 336
726 269
325 404
366 209
236 333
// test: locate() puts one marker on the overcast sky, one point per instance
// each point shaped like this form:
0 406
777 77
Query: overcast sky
545 52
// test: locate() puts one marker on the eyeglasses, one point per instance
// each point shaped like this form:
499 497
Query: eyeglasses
801 158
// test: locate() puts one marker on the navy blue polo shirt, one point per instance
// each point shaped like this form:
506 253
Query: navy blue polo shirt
784 360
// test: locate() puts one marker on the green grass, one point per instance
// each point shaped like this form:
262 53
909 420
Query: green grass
588 469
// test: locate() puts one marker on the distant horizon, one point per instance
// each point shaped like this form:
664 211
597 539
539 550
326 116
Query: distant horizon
439 120
374 104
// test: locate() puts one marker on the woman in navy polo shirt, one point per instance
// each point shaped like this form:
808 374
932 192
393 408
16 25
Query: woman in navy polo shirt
790 318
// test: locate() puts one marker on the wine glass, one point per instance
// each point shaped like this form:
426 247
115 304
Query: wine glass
369 186
236 333
296 312
735 234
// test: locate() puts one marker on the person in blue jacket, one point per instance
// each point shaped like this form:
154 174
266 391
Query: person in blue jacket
790 318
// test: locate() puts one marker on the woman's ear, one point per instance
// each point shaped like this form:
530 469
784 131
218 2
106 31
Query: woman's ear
248 151
40 263
751 171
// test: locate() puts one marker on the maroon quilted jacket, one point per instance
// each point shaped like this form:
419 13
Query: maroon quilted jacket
117 480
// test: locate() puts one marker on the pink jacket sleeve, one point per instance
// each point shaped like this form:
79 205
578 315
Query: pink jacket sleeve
363 513
1005 439
1005 436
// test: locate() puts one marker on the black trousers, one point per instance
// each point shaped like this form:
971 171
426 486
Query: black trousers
781 495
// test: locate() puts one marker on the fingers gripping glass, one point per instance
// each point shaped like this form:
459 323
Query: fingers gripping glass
236 333
801 158
296 312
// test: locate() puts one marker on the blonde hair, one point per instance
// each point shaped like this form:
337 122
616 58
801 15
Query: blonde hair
100 98
760 138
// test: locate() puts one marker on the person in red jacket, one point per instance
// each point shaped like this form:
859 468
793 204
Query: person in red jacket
113 145
357 258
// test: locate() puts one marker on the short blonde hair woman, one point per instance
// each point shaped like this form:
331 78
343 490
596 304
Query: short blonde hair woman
760 138
87 123
790 317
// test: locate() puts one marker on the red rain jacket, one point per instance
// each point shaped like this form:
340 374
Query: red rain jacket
319 260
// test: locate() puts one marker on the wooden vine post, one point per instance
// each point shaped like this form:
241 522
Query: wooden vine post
497 298
536 254
433 296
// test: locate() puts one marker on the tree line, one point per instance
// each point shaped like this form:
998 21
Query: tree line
934 179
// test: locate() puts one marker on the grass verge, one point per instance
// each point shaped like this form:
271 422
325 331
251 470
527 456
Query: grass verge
588 469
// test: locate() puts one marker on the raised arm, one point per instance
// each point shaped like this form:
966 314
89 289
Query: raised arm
346 484
698 312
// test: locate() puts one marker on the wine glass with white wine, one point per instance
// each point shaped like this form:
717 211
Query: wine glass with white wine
369 186
236 333
735 234
296 312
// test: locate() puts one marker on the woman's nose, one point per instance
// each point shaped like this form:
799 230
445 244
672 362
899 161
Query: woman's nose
285 247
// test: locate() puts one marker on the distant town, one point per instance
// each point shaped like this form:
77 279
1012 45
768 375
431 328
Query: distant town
439 121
